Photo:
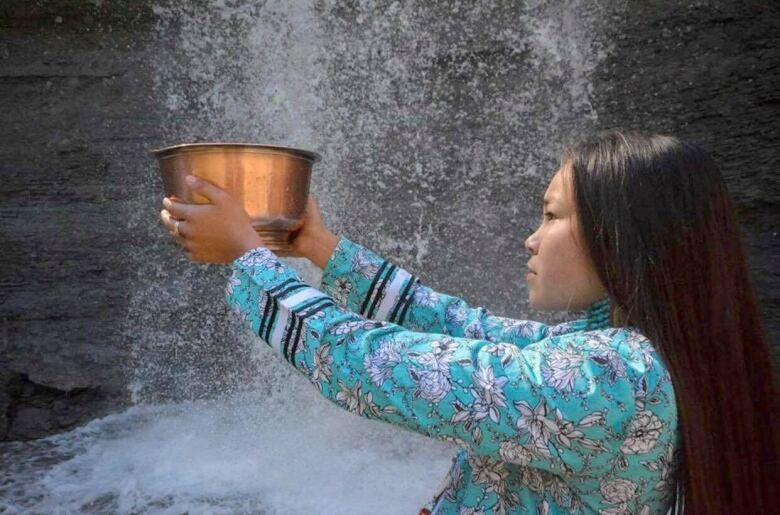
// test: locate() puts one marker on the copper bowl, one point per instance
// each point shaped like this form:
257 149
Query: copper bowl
270 181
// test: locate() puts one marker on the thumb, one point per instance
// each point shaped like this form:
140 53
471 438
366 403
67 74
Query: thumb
212 192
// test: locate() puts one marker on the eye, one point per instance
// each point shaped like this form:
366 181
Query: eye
548 214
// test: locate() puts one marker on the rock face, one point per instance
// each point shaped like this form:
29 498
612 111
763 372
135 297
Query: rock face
448 119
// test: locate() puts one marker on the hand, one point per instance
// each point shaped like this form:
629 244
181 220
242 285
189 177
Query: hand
312 229
313 239
218 232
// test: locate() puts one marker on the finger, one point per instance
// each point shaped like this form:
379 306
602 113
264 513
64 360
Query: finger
178 210
212 192
168 221
170 226
165 218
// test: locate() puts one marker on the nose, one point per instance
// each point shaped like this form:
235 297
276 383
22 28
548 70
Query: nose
531 244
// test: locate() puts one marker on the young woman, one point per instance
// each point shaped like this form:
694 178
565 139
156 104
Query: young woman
659 398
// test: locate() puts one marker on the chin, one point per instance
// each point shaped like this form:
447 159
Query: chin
541 305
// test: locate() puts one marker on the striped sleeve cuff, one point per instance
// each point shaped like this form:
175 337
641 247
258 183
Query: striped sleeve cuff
368 284
275 299
390 294
286 308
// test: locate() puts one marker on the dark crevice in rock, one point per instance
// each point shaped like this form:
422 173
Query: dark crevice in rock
29 410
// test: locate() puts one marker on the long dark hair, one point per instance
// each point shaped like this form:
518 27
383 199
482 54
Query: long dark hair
661 228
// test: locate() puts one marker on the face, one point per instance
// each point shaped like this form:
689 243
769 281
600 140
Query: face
563 276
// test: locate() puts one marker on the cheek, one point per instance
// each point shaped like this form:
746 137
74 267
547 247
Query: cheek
561 258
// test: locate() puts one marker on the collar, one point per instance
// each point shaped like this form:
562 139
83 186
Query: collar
599 314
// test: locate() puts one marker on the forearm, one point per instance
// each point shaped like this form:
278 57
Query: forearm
376 288
319 248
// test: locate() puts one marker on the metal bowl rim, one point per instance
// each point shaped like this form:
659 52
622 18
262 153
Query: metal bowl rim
201 147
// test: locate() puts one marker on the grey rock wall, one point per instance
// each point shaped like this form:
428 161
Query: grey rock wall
76 118
710 71
440 124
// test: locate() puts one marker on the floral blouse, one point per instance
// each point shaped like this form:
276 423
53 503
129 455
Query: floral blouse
578 417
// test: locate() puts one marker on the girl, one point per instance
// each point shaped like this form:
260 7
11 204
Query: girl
659 399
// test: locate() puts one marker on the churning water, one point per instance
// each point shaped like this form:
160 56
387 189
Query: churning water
291 454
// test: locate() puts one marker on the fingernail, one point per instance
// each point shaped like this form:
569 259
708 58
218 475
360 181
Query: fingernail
166 202
192 180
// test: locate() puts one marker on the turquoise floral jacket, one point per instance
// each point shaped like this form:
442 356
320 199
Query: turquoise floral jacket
578 417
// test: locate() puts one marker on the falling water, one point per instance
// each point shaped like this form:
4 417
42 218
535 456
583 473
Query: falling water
453 105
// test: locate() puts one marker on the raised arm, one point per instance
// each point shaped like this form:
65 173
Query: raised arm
378 289
546 405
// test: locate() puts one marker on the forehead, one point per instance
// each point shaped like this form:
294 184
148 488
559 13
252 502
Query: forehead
558 189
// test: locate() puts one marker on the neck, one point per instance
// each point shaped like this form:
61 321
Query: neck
599 314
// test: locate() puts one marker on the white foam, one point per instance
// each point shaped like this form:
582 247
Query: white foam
249 454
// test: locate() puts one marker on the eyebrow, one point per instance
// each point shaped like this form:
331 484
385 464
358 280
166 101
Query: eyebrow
548 200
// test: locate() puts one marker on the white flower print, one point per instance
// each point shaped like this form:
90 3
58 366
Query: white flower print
434 381
233 281
379 364
322 362
470 416
611 360
464 510
474 330
518 454
664 463
351 396
639 344
519 328
506 352
564 328
618 491
455 314
505 499
533 479
488 394
562 368
568 432
358 403
535 422
349 328
432 385
560 491
259 257
363 265
342 287
604 355
456 481
487 470
425 296
440 354
643 433
620 510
